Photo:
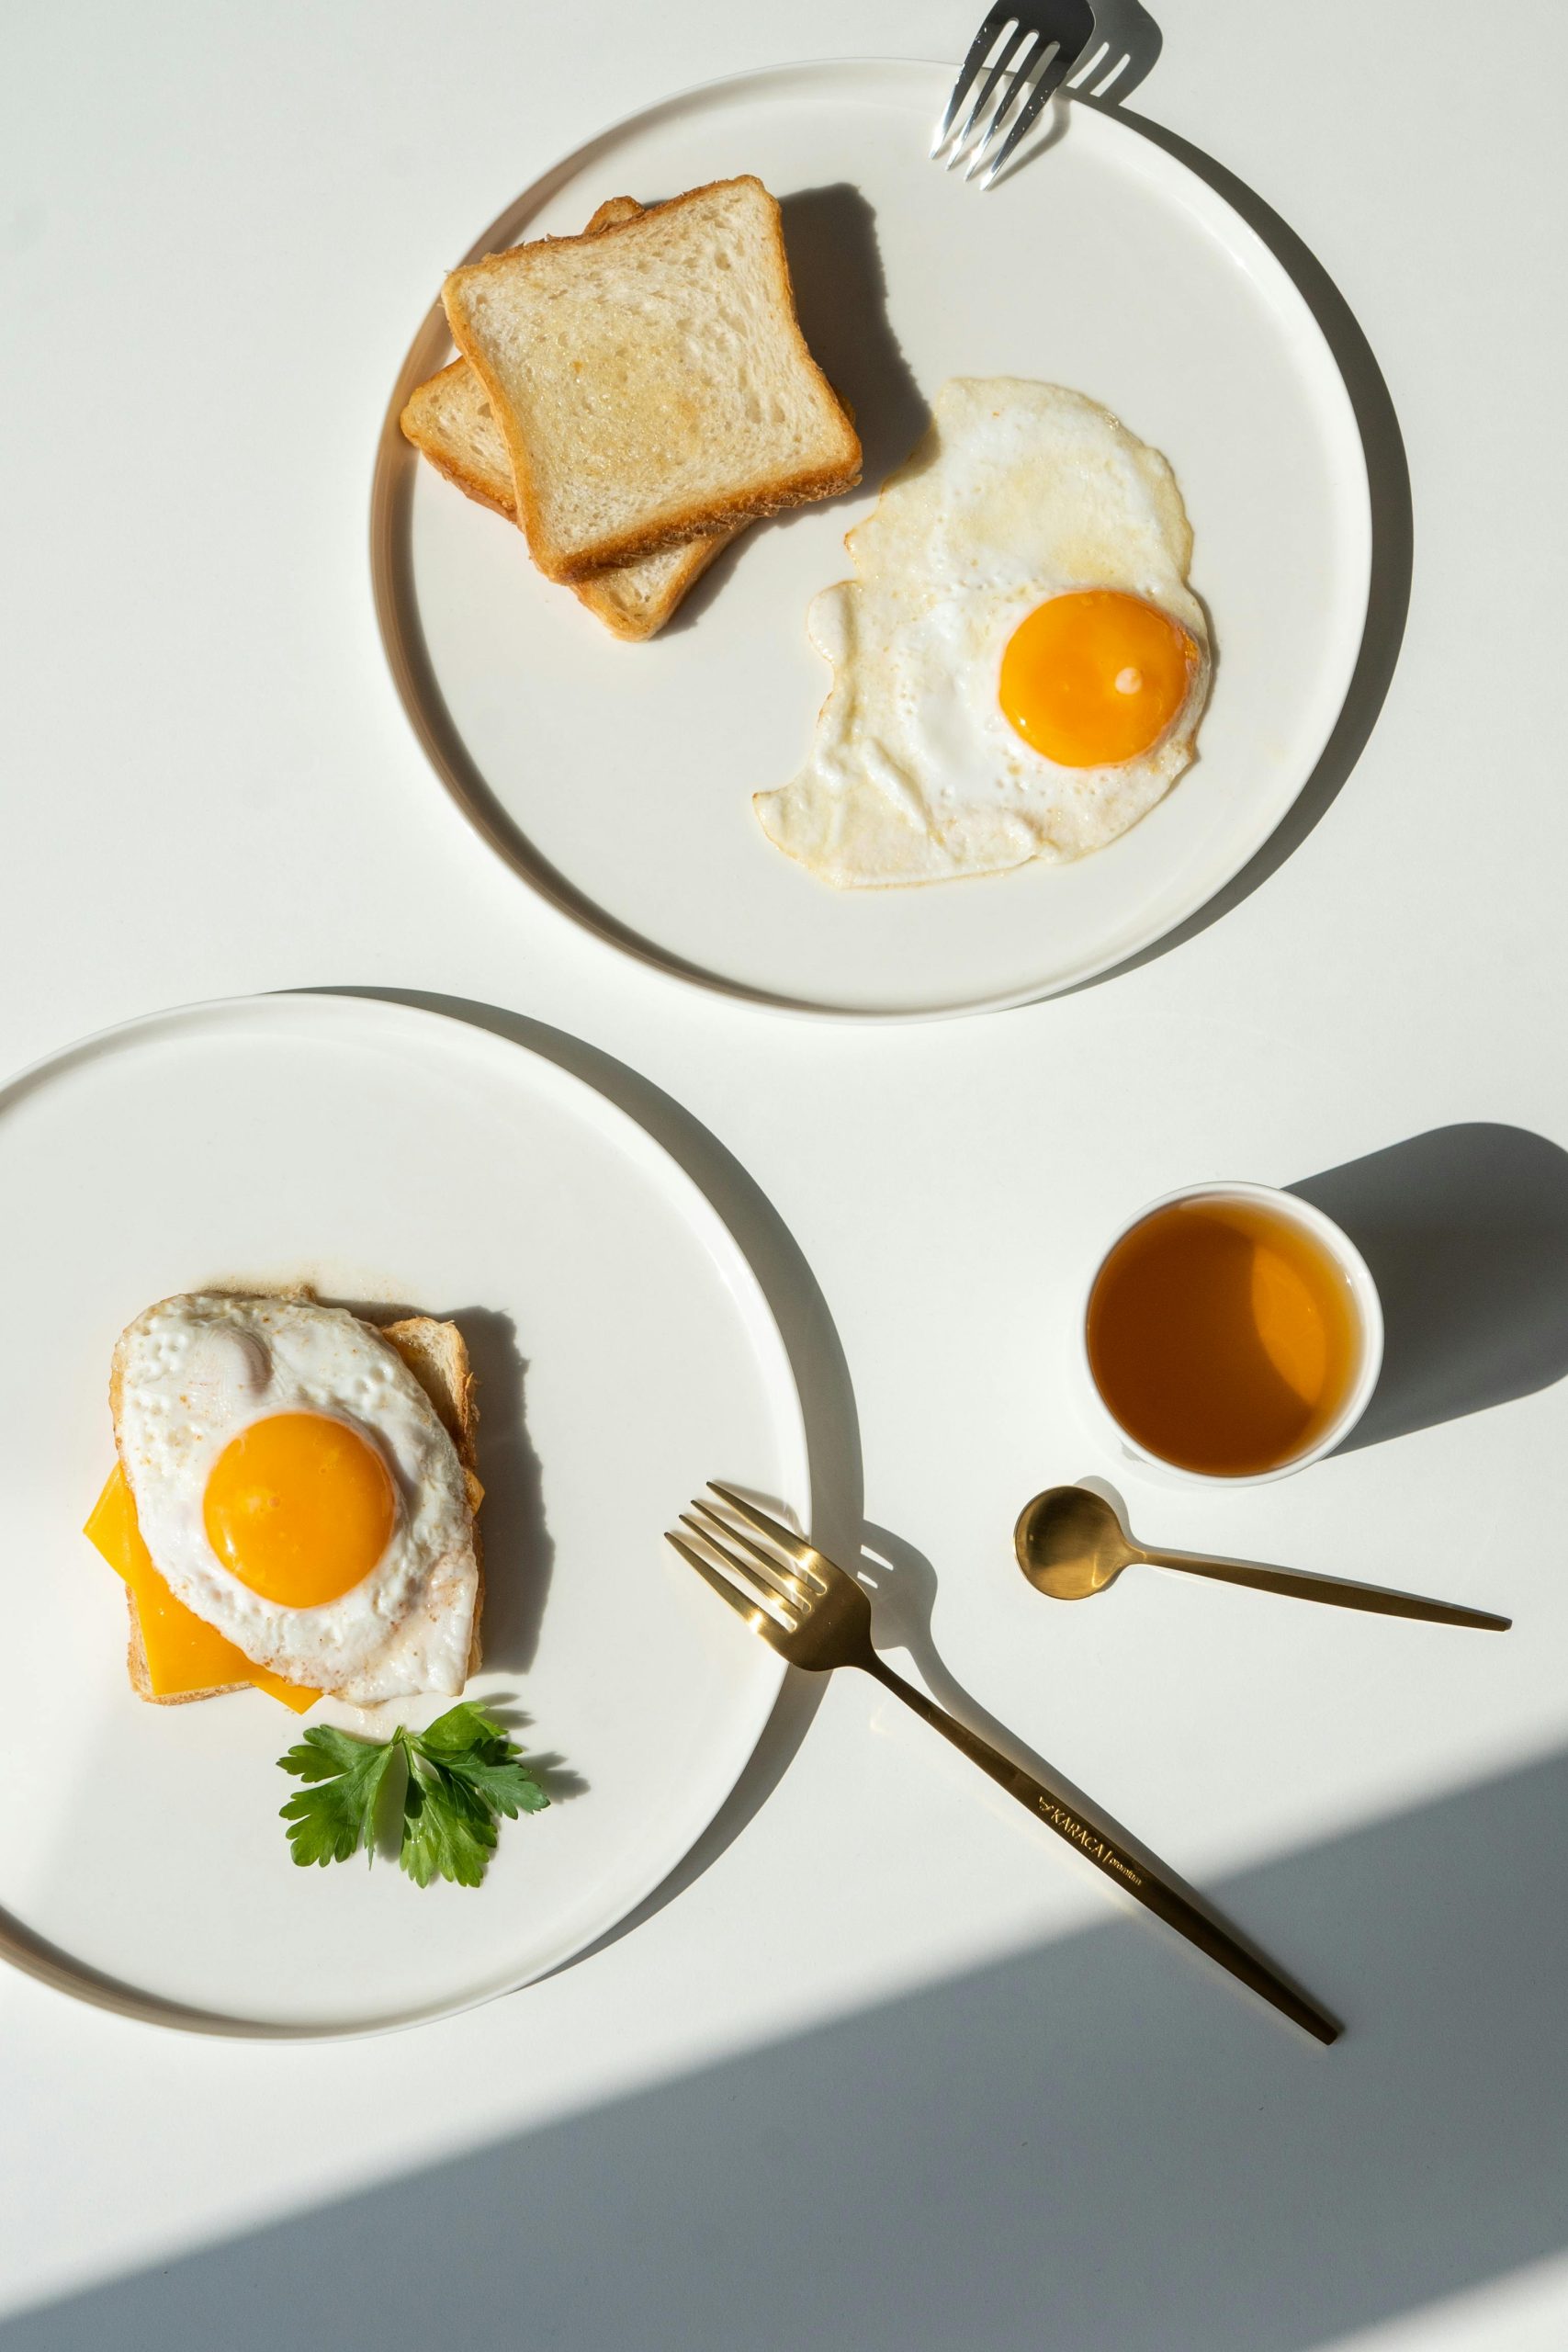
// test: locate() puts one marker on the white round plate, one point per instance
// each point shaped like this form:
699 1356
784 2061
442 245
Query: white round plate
625 1352
618 778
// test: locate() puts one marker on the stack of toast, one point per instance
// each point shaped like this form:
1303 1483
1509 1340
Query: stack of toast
634 396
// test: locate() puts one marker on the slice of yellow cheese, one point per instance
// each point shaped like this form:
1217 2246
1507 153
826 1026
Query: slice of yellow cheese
184 1653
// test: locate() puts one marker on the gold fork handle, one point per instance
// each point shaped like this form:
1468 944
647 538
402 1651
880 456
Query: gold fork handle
1337 1591
1113 1859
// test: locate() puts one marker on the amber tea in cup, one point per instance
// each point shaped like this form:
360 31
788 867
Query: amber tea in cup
1226 1336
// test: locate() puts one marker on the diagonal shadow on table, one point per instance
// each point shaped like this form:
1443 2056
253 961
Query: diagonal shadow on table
1098 2144
1394 530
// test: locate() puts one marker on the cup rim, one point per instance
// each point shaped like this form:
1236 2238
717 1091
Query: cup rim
1369 1305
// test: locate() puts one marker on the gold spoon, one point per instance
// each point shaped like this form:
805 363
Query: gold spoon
1070 1543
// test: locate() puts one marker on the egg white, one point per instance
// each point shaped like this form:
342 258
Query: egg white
1018 492
193 1372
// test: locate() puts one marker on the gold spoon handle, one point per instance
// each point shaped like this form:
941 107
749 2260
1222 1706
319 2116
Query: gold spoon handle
1109 1856
1335 1590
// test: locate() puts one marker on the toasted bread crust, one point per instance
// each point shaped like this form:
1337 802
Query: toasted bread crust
440 453
438 1355
613 211
766 495
604 598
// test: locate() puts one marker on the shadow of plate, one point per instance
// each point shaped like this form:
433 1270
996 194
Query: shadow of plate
1393 531
811 1342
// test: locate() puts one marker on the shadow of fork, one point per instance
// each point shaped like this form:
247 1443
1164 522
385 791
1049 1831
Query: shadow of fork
903 1587
1128 46
1122 54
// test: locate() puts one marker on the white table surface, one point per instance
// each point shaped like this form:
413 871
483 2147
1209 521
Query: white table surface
891 2069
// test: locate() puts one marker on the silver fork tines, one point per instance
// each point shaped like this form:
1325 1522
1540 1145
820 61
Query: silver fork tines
1020 51
1019 58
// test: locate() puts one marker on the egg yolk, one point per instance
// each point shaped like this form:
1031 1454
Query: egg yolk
301 1507
1091 679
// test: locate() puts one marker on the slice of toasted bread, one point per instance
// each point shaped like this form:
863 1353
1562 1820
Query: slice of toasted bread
652 381
438 1356
449 420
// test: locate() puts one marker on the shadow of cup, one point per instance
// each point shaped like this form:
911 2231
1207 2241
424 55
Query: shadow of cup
1465 1229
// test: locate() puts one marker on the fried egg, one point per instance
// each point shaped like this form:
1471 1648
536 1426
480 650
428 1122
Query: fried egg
1020 666
296 1489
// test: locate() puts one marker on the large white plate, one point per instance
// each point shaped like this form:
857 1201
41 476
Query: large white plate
618 780
389 1156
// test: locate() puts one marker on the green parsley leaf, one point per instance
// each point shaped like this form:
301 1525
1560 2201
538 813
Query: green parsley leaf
474 1747
506 1785
464 1726
447 1831
323 1753
463 1771
332 1820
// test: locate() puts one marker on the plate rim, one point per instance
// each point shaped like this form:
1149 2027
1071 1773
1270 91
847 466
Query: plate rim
31 1953
465 788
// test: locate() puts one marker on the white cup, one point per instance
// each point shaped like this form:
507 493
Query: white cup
1367 1309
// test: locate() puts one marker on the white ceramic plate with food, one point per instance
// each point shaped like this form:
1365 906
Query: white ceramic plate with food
625 1352
618 780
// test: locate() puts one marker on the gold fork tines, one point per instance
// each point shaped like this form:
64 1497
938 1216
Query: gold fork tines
786 1584
818 1617
760 1616
793 1547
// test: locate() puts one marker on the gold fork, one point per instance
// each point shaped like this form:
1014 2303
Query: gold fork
818 1617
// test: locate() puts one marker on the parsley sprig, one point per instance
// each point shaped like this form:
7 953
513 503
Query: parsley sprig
459 1775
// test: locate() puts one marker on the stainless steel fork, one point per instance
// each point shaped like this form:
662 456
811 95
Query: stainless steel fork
1020 56
815 1614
